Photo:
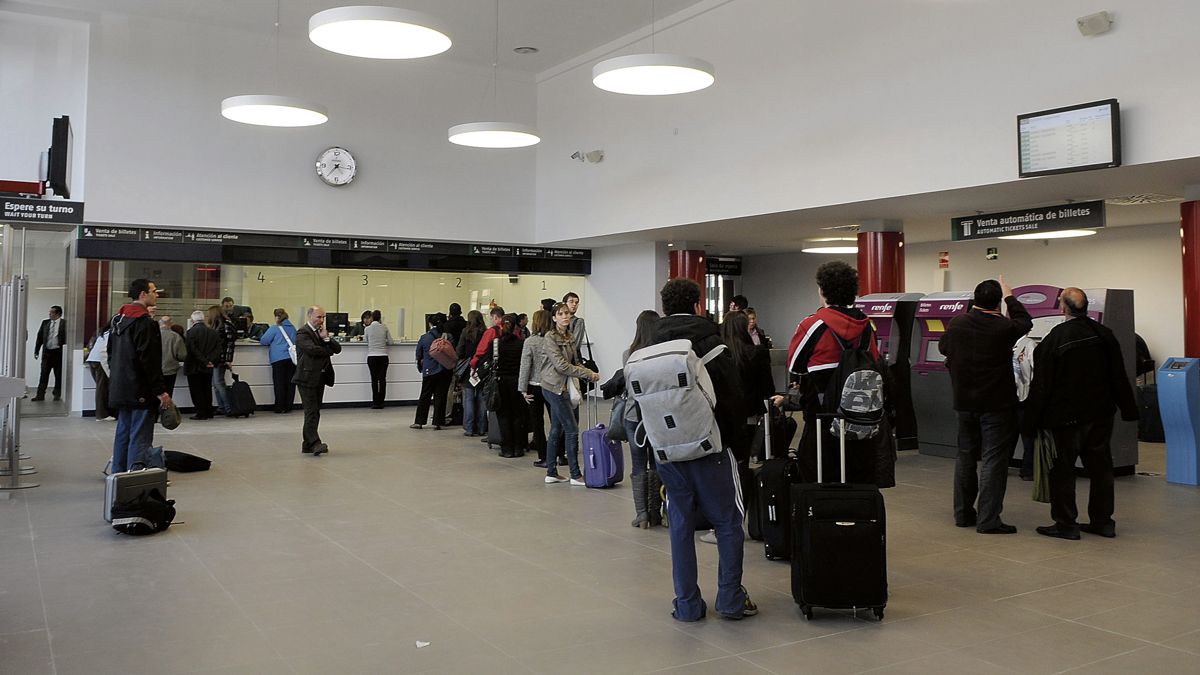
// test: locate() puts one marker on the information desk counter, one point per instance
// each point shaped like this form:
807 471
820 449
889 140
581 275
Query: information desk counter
352 387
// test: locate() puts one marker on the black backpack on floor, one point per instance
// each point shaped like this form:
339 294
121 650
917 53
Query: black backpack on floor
147 513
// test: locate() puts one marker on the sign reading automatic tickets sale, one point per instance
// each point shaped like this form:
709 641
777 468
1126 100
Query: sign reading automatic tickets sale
1083 215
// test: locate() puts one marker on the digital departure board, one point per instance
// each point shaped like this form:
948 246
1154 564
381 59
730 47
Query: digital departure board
1075 138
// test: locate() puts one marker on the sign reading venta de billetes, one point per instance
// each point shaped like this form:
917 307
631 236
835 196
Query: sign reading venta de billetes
1083 215
17 210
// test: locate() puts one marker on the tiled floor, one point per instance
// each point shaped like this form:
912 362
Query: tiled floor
345 563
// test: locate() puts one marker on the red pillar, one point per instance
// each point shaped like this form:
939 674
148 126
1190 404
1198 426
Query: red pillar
880 262
1189 233
689 265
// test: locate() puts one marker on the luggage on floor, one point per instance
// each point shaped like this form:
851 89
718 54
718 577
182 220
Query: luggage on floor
603 460
128 485
839 542
772 496
184 462
456 414
749 483
241 399
493 430
147 513
782 431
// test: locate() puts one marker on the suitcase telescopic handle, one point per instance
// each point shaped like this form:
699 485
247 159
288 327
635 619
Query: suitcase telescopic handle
767 430
820 452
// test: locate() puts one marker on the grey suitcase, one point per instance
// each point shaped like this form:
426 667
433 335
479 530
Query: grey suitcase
130 484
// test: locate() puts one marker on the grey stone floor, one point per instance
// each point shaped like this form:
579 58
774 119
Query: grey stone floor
341 564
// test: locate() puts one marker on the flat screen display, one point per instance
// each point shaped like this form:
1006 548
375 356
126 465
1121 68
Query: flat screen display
1075 138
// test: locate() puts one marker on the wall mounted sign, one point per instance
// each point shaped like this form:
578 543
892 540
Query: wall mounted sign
182 245
943 260
729 266
993 253
21 210
1082 215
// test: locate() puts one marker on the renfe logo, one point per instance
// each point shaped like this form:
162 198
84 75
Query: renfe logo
956 307
880 309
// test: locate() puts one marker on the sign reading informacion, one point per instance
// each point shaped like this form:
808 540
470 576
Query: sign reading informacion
19 210
1084 215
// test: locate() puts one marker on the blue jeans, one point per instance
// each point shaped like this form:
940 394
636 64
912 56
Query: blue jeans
135 433
218 382
988 438
564 433
474 410
709 486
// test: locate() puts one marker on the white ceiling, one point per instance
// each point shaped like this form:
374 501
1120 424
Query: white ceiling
560 29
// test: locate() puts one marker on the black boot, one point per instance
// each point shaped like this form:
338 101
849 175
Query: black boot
654 502
639 501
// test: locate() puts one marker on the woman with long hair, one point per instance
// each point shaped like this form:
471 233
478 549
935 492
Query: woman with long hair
754 364
533 361
647 498
561 367
512 412
474 412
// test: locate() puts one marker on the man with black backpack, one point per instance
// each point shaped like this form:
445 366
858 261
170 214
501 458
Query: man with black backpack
686 408
978 349
835 356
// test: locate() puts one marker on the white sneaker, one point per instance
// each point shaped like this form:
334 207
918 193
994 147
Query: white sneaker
709 537
578 481
555 479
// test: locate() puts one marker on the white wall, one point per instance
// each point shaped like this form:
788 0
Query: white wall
835 101
1144 258
160 152
43 75
625 280
782 289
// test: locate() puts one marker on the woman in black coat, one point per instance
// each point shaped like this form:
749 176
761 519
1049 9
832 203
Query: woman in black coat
513 413
754 365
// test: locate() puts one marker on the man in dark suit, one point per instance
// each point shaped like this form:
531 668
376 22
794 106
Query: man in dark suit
314 372
50 340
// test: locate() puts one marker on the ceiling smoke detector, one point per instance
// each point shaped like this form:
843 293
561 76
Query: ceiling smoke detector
1147 198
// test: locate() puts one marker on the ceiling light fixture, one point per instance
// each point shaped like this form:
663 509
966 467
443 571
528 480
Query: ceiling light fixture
831 249
1060 234
273 111
494 134
653 74
377 33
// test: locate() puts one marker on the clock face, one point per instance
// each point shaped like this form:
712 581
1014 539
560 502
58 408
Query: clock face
336 166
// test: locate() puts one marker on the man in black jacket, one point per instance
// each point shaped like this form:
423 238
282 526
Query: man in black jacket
136 390
51 337
204 349
978 348
709 485
314 372
1079 381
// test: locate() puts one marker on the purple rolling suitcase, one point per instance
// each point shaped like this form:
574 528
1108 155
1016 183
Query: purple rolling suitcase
603 460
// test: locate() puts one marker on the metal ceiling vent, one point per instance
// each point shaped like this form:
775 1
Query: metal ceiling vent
1147 198
844 228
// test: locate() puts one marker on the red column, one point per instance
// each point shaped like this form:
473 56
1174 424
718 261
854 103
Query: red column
880 262
689 265
1189 233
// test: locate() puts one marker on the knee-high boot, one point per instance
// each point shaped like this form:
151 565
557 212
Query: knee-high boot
638 482
654 503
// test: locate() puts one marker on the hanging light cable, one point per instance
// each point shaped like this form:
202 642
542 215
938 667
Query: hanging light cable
653 74
270 110
494 134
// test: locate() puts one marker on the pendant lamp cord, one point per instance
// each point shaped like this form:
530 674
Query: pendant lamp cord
277 45
653 19
496 66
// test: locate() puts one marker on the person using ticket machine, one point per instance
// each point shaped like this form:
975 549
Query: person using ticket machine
978 349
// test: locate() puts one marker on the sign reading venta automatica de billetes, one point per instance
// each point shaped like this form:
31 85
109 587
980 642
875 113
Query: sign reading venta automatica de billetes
1082 215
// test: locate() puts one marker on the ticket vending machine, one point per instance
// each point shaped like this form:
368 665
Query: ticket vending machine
1179 399
892 316
1113 308
933 397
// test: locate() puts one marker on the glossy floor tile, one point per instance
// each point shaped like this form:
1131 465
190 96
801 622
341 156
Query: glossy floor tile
406 551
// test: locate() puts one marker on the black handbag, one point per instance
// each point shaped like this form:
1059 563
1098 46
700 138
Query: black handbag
491 386
616 420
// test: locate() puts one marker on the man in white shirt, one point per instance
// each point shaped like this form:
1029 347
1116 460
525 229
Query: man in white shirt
50 340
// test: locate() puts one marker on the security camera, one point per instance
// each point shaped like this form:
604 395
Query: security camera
577 155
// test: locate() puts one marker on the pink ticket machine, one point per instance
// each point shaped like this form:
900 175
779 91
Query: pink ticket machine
933 397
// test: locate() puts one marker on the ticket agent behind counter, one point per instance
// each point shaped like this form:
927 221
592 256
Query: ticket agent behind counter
932 394
892 316
1112 308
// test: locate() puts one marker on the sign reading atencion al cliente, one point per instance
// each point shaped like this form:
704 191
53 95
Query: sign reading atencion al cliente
1082 215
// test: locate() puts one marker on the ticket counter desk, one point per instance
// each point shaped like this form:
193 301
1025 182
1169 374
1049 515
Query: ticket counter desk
353 386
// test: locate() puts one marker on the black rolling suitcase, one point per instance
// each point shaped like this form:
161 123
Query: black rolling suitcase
773 486
839 540
241 399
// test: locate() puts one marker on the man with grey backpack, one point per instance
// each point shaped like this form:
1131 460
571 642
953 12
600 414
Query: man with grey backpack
686 388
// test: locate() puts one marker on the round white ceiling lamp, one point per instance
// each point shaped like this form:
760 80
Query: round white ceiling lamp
493 135
830 249
1060 234
653 74
377 33
273 111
